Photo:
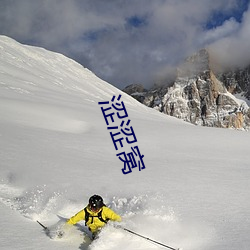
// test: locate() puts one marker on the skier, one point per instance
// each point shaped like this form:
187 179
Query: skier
95 214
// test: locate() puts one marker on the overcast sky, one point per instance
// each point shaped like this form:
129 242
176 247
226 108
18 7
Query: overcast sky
131 41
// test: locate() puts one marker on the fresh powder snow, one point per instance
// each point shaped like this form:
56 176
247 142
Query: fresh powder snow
56 152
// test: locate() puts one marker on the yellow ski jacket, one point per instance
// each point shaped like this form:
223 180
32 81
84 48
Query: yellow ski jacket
94 223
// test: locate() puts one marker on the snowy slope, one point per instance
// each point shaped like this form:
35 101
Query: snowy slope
56 151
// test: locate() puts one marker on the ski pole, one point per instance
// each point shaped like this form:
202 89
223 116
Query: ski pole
45 228
150 239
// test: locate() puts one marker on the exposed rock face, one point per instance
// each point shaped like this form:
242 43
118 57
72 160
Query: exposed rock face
237 81
199 97
137 91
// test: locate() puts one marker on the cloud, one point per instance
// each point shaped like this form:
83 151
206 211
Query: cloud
121 41
233 49
228 28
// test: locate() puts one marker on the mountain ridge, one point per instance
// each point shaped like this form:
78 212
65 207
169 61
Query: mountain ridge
201 95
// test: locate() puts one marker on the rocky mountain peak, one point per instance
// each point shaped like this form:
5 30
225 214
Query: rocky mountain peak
196 64
200 96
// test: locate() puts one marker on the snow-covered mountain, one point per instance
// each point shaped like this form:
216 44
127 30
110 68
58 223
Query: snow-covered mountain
201 95
237 81
56 151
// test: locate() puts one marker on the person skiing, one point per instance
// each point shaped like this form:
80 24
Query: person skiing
95 214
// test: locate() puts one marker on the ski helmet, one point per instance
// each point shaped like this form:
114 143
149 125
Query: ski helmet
95 202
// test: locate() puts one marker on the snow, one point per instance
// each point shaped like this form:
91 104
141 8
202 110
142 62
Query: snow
56 152
242 99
